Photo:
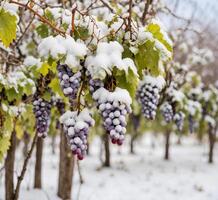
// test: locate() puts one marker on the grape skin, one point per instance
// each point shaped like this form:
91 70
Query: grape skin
148 96
69 81
42 110
77 133
94 84
113 113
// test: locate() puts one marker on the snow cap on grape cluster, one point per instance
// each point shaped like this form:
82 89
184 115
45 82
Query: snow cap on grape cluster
119 95
158 81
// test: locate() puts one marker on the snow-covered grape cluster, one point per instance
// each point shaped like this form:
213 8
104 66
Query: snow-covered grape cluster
148 95
114 106
179 120
76 127
167 112
69 81
42 110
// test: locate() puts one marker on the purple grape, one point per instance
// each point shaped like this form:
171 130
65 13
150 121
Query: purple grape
69 81
148 96
42 110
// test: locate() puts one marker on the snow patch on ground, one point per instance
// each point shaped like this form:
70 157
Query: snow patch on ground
145 175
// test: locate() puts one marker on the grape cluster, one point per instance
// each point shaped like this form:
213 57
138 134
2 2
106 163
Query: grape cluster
167 112
179 120
69 81
114 114
76 127
94 84
148 96
42 110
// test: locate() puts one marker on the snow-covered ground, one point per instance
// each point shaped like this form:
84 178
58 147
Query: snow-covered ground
143 176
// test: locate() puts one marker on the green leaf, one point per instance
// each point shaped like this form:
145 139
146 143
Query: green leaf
8 25
49 15
19 130
42 30
28 89
8 125
81 33
160 35
129 81
12 94
44 69
55 86
4 145
47 96
148 58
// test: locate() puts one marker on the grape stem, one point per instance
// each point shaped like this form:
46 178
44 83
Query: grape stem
79 97
24 168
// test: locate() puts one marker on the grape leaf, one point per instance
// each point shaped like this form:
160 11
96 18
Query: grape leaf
12 94
19 130
4 145
55 86
8 125
8 25
81 33
129 80
42 30
159 34
44 69
147 58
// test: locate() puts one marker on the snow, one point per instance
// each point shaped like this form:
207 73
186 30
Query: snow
73 118
119 95
108 56
59 46
31 61
154 81
145 175
15 79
